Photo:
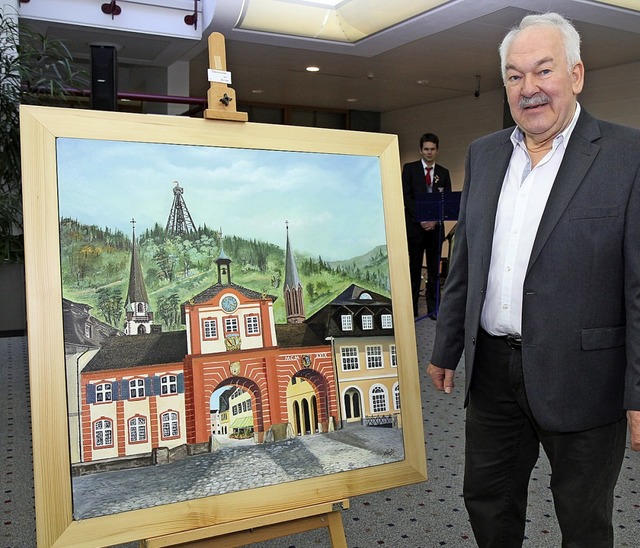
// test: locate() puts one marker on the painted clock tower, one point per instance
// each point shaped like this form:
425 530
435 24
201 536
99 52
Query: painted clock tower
227 317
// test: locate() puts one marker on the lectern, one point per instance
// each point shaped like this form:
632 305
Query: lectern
438 206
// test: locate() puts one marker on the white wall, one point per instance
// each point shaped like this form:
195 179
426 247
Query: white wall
611 94
614 94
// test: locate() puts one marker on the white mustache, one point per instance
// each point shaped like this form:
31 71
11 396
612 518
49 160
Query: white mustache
534 101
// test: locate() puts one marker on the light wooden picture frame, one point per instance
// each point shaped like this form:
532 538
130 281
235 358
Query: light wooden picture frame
55 142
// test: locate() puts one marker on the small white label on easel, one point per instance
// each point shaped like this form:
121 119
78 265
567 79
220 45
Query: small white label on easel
219 76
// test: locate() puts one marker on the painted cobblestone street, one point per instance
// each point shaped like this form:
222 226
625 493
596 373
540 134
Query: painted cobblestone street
235 468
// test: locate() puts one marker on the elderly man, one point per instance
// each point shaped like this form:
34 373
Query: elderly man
543 295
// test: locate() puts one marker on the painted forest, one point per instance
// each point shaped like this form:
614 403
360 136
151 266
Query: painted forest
95 266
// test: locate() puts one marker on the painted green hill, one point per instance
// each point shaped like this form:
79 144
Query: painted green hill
96 261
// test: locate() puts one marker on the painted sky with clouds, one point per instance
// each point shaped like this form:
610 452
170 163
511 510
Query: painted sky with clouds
333 202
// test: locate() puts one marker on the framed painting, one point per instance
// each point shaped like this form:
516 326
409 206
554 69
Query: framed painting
219 322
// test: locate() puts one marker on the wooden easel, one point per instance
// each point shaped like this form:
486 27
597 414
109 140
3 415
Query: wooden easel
221 98
250 530
221 103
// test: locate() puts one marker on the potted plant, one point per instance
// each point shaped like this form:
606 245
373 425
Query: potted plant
34 69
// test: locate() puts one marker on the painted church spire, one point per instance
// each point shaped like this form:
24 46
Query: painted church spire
139 317
293 291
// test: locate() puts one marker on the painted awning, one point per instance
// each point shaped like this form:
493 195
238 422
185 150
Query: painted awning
242 422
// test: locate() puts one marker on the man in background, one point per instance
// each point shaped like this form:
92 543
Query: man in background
420 179
543 296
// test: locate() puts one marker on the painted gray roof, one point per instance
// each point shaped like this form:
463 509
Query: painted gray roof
75 317
135 350
298 335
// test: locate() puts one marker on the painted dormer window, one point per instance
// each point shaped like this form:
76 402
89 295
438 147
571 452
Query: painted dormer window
364 296
387 321
347 322
367 321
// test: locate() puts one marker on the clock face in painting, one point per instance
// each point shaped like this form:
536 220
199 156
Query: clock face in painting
229 303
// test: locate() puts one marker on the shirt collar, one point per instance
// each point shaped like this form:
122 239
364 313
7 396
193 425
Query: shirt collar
517 137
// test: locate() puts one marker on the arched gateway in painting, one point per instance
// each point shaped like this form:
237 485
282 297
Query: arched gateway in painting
266 379
233 340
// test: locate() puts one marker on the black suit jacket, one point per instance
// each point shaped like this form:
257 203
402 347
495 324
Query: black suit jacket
581 300
413 185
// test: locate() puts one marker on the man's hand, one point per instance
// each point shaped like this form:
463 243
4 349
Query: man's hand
634 428
443 381
428 225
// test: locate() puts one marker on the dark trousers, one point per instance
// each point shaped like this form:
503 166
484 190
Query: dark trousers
502 447
428 243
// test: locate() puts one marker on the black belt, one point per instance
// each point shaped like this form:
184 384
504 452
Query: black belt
514 341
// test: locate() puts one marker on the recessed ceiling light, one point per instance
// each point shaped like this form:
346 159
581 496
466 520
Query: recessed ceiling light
423 82
313 69
352 100
257 91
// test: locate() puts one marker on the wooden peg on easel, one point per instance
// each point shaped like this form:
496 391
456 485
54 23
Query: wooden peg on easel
221 98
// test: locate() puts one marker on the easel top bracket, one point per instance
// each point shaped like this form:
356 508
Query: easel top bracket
221 98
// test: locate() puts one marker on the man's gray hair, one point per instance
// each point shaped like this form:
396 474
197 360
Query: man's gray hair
555 20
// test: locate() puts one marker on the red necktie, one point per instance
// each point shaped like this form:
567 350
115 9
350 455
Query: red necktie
427 177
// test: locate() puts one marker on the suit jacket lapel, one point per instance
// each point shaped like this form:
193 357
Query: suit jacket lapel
580 154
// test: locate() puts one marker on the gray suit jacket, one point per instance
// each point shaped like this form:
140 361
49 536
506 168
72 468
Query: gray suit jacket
581 309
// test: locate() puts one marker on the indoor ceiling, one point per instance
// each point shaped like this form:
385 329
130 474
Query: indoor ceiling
445 52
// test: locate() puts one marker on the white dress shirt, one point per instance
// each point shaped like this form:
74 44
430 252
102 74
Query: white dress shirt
521 204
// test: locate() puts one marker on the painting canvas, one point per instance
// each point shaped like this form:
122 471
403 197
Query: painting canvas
229 302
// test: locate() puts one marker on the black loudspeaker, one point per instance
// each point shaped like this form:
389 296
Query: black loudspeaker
104 78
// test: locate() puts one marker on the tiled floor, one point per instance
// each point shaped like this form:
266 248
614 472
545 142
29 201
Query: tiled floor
16 467
426 515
